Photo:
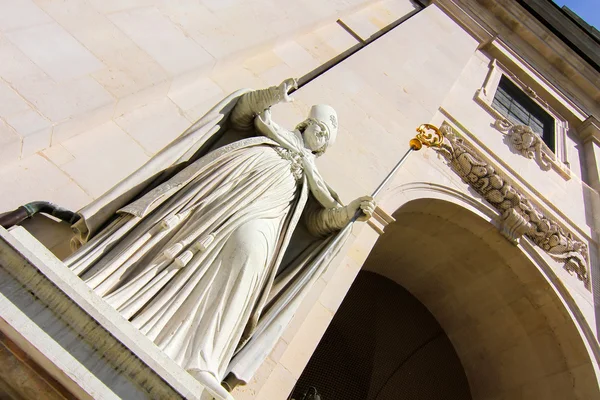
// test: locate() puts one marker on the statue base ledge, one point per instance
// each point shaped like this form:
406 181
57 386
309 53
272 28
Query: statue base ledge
83 343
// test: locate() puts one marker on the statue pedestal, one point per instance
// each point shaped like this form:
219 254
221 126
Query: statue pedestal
71 338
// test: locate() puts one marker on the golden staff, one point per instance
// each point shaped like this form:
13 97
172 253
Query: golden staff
427 135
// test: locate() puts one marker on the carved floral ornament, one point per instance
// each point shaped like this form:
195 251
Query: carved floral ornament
519 215
526 142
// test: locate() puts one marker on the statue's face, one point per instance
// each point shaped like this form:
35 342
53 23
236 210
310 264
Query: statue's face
315 135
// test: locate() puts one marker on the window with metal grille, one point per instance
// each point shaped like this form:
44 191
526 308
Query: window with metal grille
520 109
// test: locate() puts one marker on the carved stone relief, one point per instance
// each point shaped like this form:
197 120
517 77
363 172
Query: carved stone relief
520 215
514 225
526 142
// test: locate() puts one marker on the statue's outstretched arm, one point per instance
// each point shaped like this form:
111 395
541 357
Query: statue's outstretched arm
253 103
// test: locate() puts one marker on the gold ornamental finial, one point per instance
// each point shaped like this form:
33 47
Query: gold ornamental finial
427 135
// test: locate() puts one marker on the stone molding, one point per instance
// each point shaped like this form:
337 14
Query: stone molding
379 220
519 215
552 58
526 142
546 158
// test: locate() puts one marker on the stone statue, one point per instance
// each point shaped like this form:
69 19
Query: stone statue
191 248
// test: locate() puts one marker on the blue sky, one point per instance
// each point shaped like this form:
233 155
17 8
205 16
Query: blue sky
588 10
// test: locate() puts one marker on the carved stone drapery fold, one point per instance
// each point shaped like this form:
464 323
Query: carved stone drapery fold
526 142
520 216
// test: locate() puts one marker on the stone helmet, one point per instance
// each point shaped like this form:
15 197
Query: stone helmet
327 116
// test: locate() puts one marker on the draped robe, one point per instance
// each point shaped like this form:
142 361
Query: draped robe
191 257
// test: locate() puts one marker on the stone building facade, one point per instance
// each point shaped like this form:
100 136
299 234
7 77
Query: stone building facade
488 245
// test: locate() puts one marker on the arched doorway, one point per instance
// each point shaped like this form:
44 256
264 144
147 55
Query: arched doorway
383 344
511 332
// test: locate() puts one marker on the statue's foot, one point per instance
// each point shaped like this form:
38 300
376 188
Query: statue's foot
212 384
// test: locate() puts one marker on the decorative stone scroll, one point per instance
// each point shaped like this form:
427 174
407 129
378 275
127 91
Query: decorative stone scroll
526 142
520 216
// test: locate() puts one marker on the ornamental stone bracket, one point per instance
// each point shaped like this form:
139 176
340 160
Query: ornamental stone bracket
526 142
519 215
379 220
513 225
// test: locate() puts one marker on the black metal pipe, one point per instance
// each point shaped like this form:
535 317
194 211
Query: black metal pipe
28 210
362 43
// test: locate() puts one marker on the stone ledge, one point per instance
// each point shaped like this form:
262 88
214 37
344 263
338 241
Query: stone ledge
107 348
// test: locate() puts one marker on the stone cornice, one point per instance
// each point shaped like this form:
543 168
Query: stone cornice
488 19
520 216
590 130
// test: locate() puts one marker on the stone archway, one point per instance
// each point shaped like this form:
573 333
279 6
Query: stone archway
510 330
383 344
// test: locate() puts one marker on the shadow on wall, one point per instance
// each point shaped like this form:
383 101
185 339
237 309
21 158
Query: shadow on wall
54 234
383 344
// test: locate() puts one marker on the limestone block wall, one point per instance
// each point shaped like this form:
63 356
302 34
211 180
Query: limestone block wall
90 89
69 66
380 95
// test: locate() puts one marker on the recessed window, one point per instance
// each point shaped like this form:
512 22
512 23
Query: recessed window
517 107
